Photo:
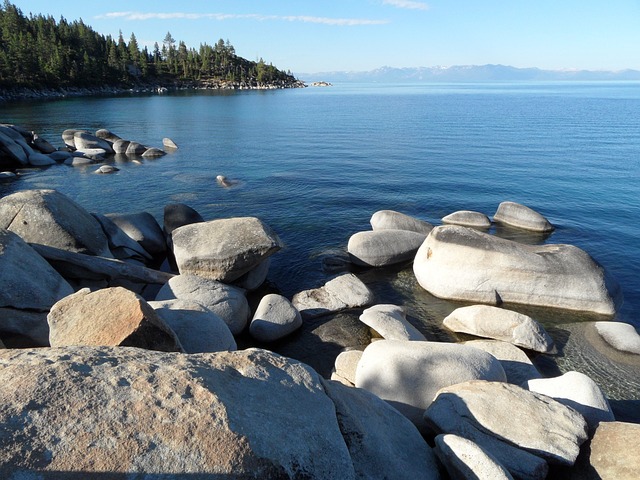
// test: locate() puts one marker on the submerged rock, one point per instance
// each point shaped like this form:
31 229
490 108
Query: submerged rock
516 215
391 220
467 218
500 324
390 322
460 263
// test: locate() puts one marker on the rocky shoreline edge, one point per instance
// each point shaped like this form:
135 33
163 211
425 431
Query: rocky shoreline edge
128 352
47 94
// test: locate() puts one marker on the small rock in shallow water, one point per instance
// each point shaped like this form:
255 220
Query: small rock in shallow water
467 218
516 215
107 169
621 336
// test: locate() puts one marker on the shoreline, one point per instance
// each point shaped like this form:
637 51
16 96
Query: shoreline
18 94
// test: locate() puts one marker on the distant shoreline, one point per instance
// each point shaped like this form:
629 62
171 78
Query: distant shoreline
7 95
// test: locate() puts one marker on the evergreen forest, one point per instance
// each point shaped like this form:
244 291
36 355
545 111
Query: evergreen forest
38 52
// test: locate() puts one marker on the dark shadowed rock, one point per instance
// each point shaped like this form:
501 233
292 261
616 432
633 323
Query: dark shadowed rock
143 228
177 215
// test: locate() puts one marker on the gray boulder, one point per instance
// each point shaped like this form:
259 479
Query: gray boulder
391 220
50 218
106 169
134 149
379 248
169 144
223 249
9 146
60 155
578 391
246 414
382 443
409 374
610 454
516 215
500 324
122 246
342 292
85 140
275 317
467 218
228 302
153 153
621 336
254 278
390 322
27 281
198 328
42 145
107 135
466 460
528 420
69 137
38 159
460 263
143 228
120 146
110 317
517 365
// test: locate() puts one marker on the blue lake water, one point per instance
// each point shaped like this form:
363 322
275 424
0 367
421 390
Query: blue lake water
316 163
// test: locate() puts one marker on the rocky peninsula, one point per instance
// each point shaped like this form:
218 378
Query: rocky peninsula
138 348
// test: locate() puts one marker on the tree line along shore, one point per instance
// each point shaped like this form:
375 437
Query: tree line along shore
40 54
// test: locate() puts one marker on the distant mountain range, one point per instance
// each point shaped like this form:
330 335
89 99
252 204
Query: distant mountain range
470 73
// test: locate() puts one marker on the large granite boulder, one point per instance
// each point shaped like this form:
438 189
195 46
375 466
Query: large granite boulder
27 281
517 215
87 412
223 249
50 218
517 365
198 329
468 218
460 263
578 391
110 317
500 324
531 421
391 220
390 322
340 293
409 374
612 453
228 302
274 318
379 248
143 228
382 443
466 460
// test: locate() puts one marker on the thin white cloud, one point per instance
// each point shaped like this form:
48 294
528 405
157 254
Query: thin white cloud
408 4
342 22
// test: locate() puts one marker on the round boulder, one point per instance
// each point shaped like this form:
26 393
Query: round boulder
467 218
274 318
521 216
379 248
391 220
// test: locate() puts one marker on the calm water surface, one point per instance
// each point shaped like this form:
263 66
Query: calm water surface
315 164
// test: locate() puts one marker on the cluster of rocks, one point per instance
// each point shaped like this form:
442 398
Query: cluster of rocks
21 148
146 375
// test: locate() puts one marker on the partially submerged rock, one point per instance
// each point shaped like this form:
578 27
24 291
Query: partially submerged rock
342 292
379 248
390 322
460 263
621 336
533 422
468 218
521 216
392 220
500 324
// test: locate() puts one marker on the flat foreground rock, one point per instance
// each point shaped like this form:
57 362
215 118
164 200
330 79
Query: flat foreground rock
612 454
342 292
107 411
460 263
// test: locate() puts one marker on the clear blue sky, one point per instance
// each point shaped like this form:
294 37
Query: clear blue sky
327 35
